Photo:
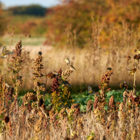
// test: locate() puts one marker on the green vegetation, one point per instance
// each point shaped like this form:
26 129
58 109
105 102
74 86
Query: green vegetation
27 25
30 10
63 113
67 112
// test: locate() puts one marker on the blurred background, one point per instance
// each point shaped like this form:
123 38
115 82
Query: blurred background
93 34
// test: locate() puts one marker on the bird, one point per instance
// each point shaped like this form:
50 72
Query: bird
55 73
66 83
67 61
138 52
43 85
132 71
5 52
72 68
51 75
123 85
7 85
90 91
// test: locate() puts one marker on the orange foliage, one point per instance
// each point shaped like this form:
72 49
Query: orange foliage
78 14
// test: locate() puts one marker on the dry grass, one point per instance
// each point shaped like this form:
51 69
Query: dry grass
33 120
33 124
90 61
89 67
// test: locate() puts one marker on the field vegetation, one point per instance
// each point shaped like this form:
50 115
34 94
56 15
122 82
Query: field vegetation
45 96
105 114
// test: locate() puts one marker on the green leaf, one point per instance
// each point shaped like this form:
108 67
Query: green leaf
1 116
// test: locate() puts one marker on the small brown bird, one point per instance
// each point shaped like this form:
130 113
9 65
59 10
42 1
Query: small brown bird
67 61
72 68
55 73
51 75
5 52
7 85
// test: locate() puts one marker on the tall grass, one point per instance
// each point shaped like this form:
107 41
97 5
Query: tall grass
91 61
29 117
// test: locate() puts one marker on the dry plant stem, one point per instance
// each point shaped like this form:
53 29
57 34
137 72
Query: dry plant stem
134 84
3 99
38 68
46 80
16 68
44 113
38 93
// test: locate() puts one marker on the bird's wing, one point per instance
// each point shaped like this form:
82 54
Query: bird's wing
73 67
8 52
67 83
89 89
4 49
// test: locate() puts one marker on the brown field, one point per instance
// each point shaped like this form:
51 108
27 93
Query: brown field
102 41
89 64
34 120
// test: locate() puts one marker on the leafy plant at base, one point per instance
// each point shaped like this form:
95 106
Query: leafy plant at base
61 97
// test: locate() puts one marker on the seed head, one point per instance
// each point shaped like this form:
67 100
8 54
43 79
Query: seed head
6 119
40 53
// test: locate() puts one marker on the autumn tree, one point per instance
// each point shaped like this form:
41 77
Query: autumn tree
78 14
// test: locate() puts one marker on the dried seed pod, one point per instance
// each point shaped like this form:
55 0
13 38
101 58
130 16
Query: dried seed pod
6 119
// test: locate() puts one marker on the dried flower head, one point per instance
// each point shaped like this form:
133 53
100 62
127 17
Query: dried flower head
96 102
6 119
40 102
112 103
40 53
51 75
89 106
74 106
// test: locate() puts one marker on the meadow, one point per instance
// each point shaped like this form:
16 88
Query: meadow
91 61
43 98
